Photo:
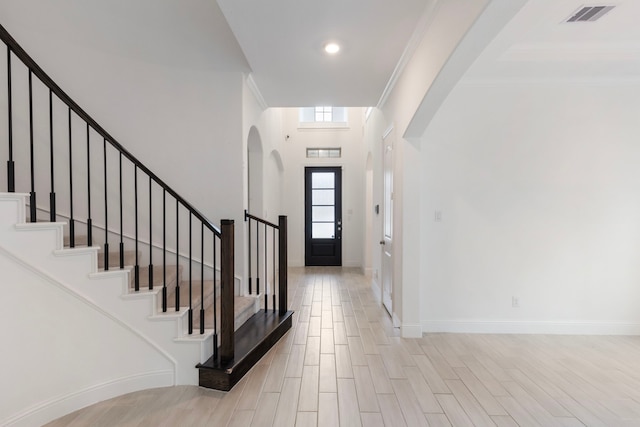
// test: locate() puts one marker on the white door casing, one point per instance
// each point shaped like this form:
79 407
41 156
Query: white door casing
387 221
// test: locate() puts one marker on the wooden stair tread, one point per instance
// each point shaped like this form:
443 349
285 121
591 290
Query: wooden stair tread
251 341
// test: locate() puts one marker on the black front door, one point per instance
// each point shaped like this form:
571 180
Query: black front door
323 216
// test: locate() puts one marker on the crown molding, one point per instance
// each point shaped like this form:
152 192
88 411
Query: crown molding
256 92
423 24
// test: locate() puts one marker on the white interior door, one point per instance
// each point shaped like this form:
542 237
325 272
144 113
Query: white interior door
387 224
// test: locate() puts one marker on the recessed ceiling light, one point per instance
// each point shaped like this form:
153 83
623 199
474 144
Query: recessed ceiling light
332 48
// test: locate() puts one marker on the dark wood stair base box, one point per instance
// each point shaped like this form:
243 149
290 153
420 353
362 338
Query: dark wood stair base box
252 341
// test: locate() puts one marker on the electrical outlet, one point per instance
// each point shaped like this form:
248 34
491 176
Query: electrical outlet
515 302
437 216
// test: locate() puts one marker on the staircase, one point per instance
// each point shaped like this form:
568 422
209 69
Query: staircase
117 239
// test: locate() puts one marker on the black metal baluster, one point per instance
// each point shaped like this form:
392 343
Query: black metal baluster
257 258
190 293
202 278
164 250
177 256
11 175
150 238
32 195
106 209
89 225
266 275
273 258
52 194
121 227
136 269
249 246
72 223
215 301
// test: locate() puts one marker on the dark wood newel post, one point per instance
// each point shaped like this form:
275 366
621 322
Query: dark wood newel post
226 290
282 264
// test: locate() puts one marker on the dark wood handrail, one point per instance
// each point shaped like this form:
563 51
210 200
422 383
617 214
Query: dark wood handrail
46 80
247 216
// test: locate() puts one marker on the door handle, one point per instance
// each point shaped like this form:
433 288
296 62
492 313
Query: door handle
382 242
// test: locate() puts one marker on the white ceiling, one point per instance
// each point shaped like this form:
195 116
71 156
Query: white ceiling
282 41
537 46
279 41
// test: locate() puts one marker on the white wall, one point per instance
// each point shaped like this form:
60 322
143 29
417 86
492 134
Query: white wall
444 25
353 164
538 193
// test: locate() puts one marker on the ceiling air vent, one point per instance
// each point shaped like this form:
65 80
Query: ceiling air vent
589 13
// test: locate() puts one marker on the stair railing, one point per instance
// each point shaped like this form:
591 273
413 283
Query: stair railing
85 137
263 257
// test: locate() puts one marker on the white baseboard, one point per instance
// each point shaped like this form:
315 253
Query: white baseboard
396 320
377 293
530 327
54 408
411 330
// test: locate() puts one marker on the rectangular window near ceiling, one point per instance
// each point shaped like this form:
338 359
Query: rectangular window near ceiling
314 153
322 117
324 114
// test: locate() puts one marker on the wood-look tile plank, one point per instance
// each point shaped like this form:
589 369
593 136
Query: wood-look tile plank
351 326
343 362
474 410
314 326
316 307
348 403
546 401
275 376
336 310
436 383
308 400
445 371
312 352
454 411
438 420
255 380
307 419
480 392
369 345
390 410
295 361
504 421
241 418
392 361
339 334
517 412
570 422
379 376
485 377
371 419
266 410
356 352
288 403
302 331
328 375
367 399
326 341
423 393
541 415
328 414
327 319
409 405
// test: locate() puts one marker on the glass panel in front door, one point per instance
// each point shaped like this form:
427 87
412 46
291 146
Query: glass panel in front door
323 207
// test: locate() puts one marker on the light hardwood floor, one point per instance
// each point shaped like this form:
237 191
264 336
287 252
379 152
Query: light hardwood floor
343 363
